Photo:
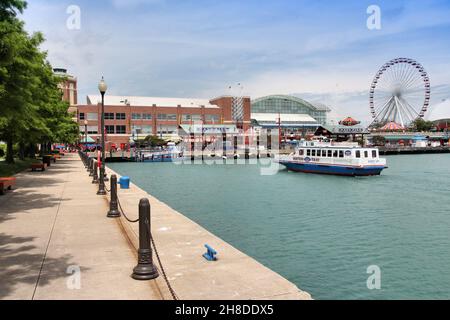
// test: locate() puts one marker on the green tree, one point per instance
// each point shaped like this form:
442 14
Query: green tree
154 141
31 106
10 8
379 140
421 125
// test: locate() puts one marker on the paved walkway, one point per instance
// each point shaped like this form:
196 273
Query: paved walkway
54 224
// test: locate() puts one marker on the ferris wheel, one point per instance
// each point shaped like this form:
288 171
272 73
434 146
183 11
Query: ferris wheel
400 92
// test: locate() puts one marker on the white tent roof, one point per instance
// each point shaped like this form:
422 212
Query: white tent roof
440 111
274 117
150 101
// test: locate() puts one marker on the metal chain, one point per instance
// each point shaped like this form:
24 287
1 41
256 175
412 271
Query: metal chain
123 213
163 271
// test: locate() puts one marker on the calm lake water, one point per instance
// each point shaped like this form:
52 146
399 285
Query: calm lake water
323 232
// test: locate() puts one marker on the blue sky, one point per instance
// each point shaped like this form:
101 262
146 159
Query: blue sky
321 50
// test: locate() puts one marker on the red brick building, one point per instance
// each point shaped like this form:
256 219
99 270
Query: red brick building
138 117
68 88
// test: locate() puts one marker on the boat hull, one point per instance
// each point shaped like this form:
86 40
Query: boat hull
161 158
333 169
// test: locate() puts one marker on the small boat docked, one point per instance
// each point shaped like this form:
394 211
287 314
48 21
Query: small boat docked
171 154
159 157
326 157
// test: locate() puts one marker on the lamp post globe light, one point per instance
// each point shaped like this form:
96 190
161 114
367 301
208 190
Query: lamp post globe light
102 87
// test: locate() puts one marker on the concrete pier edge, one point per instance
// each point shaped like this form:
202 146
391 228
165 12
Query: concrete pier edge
234 276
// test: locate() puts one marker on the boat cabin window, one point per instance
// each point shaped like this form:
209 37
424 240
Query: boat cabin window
358 153
341 153
308 152
335 153
330 153
366 154
301 152
314 152
374 153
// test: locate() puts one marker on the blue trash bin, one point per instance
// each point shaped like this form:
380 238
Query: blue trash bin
124 182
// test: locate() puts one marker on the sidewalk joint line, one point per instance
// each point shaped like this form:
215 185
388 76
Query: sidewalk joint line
49 240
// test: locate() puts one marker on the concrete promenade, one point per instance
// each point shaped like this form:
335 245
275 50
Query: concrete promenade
54 223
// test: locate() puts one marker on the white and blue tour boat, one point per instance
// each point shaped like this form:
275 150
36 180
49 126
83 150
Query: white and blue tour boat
327 157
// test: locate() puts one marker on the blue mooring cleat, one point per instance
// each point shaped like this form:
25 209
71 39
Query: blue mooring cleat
210 254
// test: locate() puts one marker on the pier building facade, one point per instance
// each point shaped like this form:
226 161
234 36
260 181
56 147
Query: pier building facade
130 118
294 117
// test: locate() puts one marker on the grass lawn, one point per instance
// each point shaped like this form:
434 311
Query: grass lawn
7 170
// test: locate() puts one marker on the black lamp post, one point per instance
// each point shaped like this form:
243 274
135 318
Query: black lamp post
85 135
102 87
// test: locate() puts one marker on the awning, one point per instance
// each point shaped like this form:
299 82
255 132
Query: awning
209 129
283 118
342 130
405 137
86 140
287 125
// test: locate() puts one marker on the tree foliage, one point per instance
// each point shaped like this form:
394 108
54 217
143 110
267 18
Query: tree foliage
154 141
31 106
422 125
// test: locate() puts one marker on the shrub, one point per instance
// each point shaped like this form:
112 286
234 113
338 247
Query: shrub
2 150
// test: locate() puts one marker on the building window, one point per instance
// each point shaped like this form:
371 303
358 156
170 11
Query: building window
109 116
167 117
109 129
81 115
92 129
191 117
147 129
212 118
144 129
136 116
162 129
121 129
121 116
147 116
92 116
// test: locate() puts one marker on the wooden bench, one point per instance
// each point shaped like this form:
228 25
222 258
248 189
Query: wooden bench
51 157
38 166
6 184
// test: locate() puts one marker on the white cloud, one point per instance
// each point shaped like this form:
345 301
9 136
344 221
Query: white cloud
128 4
